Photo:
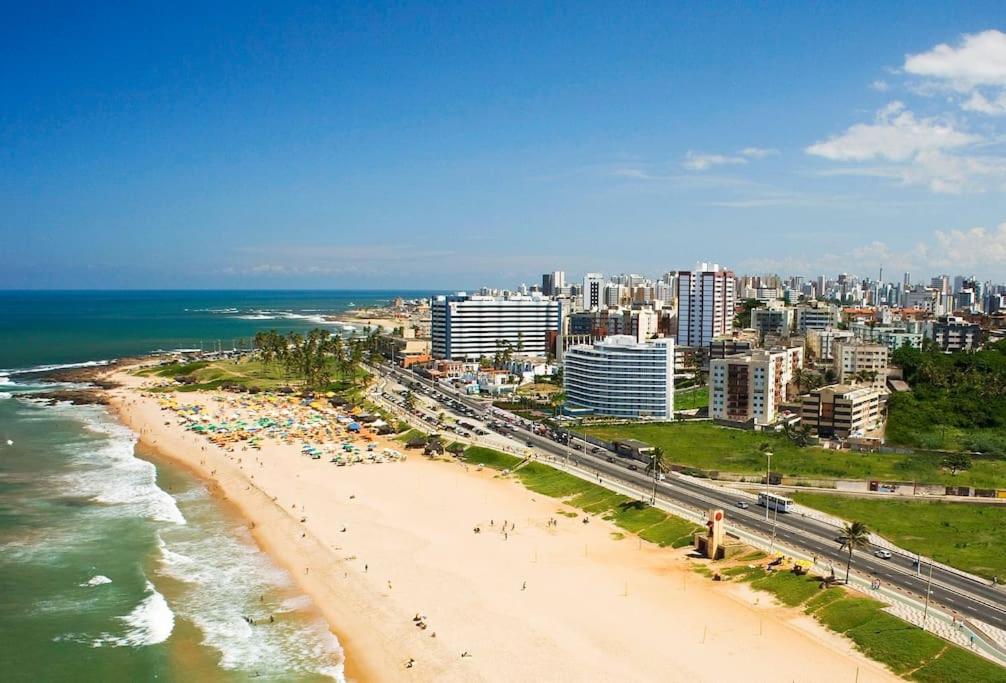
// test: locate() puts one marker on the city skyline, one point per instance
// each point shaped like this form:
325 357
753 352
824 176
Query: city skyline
387 147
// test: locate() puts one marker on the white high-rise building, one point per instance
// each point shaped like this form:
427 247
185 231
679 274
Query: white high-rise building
853 359
706 298
620 377
470 327
593 291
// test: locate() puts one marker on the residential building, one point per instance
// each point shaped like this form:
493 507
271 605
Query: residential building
621 377
706 299
841 411
952 333
470 327
752 386
855 359
893 336
816 315
773 319
593 291
729 345
819 342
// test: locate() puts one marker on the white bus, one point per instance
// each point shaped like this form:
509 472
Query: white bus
774 502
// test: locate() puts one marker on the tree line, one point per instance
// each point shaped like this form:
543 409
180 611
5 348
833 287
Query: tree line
318 356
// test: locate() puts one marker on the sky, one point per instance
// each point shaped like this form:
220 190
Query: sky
420 145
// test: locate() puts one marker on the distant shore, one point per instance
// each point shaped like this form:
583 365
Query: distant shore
381 544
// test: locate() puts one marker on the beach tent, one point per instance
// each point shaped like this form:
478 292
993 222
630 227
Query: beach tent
353 426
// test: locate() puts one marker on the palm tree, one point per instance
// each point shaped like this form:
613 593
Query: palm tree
854 535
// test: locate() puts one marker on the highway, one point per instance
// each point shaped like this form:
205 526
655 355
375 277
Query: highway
953 591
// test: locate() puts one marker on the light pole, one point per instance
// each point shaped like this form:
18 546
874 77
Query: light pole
929 584
768 473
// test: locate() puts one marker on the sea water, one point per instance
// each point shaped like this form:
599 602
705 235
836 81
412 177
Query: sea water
118 567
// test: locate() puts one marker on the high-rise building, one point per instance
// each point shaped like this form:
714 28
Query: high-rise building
621 377
470 327
593 291
753 385
816 316
706 298
553 283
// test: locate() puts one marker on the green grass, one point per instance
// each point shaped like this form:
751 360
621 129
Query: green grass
410 435
905 649
633 516
695 397
968 536
957 664
251 373
673 531
710 447
789 588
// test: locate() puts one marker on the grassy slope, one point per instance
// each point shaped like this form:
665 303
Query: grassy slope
968 536
905 649
647 522
686 399
708 446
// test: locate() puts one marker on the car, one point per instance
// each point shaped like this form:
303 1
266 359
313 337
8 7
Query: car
742 504
840 539
595 450
529 444
883 554
577 447
634 468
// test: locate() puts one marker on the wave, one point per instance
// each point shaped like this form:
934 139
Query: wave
5 394
98 580
114 475
228 581
54 366
151 622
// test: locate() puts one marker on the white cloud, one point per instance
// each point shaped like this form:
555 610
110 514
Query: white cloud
697 161
895 135
880 86
916 151
979 60
977 64
758 152
979 250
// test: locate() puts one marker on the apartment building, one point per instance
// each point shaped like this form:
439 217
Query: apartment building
752 386
470 327
952 333
820 342
774 319
841 411
620 377
706 298
816 316
893 336
854 359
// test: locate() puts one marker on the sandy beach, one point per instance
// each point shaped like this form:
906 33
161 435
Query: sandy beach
376 545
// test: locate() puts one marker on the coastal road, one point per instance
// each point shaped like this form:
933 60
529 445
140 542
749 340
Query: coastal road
954 591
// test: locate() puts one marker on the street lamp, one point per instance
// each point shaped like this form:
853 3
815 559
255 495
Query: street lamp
768 473
929 584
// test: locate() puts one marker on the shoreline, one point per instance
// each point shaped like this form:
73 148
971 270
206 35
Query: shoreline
266 525
430 561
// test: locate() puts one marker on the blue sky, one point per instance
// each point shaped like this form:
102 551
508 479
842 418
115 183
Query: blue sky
341 145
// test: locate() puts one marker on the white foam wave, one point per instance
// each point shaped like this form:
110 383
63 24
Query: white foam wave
98 580
150 622
228 579
55 366
6 394
116 477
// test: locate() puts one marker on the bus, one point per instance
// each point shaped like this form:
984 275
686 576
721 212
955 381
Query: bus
774 502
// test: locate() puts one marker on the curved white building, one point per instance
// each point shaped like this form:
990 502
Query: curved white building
621 377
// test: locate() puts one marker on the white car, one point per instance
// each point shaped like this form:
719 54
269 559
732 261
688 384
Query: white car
883 554
742 504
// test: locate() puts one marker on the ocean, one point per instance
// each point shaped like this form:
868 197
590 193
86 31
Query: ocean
117 567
